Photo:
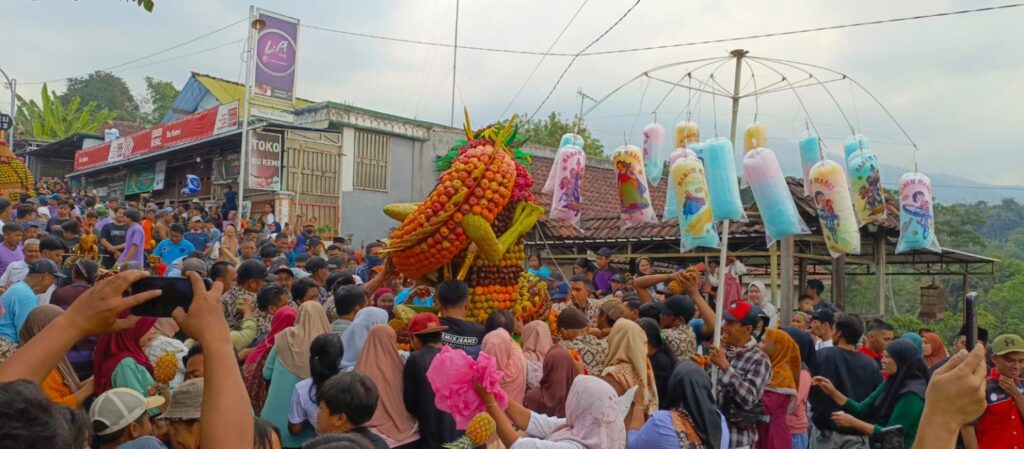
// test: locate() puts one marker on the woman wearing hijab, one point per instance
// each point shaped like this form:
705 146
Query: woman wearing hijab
228 246
355 336
780 396
499 344
381 363
689 419
760 296
120 362
62 385
933 349
252 369
898 401
559 372
796 420
536 344
662 360
384 298
916 340
287 364
627 366
591 420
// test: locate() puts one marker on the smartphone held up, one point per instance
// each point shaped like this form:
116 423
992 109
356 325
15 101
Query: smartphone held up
175 292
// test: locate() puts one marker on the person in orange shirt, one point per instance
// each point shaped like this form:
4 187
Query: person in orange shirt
62 385
147 227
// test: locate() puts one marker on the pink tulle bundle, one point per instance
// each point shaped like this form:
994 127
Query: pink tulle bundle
451 376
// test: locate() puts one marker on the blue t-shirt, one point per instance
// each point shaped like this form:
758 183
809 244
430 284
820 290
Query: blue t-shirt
167 251
199 240
404 295
18 301
543 272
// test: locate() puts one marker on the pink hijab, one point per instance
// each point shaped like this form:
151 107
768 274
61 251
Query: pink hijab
511 361
536 341
283 318
381 363
592 416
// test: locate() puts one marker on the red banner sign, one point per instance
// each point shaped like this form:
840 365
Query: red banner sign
197 126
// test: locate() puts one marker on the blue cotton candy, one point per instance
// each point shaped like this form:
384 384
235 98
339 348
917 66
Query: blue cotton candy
854 143
774 202
810 154
723 186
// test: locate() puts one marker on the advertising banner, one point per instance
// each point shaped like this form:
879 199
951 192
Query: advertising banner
141 179
264 171
197 126
276 57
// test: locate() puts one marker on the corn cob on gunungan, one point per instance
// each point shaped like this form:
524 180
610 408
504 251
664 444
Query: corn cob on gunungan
15 178
479 182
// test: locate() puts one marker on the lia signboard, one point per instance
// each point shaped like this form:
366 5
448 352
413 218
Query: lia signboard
264 171
276 57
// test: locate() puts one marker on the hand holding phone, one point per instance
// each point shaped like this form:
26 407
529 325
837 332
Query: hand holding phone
175 292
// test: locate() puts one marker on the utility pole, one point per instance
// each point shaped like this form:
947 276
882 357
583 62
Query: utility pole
255 25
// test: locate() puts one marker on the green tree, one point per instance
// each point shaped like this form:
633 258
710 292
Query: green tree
108 90
159 96
549 131
145 4
53 120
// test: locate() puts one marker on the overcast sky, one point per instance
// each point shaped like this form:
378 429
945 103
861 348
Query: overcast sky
953 82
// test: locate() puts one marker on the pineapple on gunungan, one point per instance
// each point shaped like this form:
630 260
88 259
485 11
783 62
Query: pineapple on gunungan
480 429
165 368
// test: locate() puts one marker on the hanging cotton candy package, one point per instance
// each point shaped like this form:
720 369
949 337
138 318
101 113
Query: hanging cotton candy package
831 196
754 136
917 222
634 195
565 180
691 204
654 152
866 186
772 196
724 191
670 194
810 154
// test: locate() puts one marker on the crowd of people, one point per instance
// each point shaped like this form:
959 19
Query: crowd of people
291 346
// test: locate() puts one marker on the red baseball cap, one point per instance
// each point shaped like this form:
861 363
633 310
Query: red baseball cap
743 312
424 323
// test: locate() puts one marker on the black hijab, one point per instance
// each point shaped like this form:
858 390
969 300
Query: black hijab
806 344
689 388
911 377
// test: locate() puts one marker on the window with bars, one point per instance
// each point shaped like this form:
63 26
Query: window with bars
371 155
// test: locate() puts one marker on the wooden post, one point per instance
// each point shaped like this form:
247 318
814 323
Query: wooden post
880 249
801 277
787 300
839 283
773 272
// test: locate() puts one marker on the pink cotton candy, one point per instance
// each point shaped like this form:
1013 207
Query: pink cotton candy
451 376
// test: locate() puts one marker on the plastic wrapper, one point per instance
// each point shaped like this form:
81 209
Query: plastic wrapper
691 204
853 144
451 376
866 187
810 154
565 180
754 136
654 152
917 222
634 196
771 193
670 194
831 196
720 167
686 134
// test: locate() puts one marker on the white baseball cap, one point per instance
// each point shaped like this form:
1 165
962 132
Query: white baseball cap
116 408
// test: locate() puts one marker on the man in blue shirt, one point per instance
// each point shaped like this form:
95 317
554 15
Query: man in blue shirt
19 300
197 237
174 247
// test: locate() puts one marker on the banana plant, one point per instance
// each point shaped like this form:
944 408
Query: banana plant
53 120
